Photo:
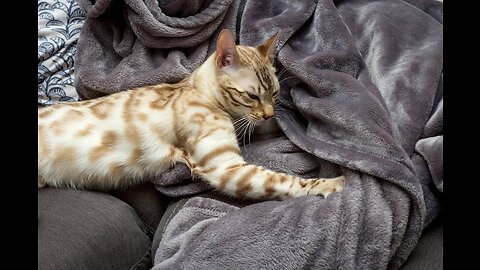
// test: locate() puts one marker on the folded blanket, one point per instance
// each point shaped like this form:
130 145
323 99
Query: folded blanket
362 94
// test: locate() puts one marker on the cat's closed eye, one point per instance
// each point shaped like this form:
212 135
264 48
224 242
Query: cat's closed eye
252 96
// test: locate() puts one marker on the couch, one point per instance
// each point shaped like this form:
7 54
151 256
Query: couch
123 229
94 230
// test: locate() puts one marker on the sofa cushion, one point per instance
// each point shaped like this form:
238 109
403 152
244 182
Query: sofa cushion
89 230
148 203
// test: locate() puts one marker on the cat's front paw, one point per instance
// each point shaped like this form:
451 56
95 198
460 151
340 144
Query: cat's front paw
327 186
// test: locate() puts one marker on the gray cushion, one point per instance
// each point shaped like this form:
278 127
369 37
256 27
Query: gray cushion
428 254
89 230
147 201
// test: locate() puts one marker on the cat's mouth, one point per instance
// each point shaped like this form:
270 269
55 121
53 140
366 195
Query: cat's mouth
250 120
259 121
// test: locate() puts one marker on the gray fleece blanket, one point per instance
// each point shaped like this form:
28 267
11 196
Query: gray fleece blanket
361 95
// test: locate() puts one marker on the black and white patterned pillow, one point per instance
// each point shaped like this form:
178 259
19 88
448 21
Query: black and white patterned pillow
59 24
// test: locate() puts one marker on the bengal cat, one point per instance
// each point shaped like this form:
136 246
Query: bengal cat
118 140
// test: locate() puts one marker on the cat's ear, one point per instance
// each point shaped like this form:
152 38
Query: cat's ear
267 49
227 55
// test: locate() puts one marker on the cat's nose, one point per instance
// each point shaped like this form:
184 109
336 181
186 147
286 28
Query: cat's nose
268 112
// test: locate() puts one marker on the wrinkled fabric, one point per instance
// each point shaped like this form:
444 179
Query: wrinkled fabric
59 24
361 95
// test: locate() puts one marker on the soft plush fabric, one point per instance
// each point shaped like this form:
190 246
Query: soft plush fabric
80 230
59 24
427 254
362 96
139 47
177 204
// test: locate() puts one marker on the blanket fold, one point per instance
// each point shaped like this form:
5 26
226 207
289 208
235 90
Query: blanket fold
362 95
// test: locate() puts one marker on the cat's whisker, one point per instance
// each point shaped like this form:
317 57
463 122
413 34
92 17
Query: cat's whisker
239 120
250 131
244 135
247 132
288 78
241 126
241 129
282 72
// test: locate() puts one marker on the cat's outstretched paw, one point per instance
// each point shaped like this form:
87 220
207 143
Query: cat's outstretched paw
327 186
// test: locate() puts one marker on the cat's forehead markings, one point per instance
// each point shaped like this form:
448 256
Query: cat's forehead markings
264 80
245 78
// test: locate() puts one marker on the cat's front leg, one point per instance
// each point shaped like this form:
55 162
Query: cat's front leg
319 186
246 180
216 158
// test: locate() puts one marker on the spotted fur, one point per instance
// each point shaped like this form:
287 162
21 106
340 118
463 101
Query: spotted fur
120 139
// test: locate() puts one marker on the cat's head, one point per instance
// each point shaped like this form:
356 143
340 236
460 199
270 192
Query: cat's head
247 77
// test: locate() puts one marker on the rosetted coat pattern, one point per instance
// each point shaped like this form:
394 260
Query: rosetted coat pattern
364 97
